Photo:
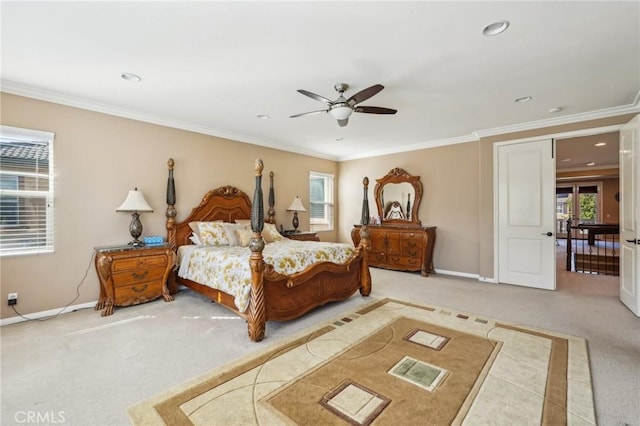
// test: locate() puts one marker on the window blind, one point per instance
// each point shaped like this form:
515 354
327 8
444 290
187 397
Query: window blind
26 191
320 201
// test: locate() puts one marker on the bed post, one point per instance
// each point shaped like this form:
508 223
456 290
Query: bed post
171 210
271 213
256 316
365 275
171 223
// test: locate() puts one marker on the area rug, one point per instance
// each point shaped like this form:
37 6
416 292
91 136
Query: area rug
397 363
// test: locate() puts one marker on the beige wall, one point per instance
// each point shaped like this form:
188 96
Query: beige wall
98 158
449 177
610 207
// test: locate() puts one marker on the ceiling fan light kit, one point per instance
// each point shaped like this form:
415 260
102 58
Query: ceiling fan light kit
340 112
341 109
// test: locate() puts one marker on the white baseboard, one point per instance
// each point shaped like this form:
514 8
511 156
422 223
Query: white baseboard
488 280
457 274
45 314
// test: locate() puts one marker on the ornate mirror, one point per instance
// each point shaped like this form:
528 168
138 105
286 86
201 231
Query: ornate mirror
398 196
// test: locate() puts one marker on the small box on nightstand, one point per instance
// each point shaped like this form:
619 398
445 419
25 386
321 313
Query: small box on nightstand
153 240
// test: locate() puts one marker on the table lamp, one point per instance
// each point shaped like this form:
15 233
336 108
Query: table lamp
134 204
295 207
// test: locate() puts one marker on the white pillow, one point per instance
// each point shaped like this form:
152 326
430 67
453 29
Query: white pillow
230 229
194 226
195 240
244 236
212 234
270 233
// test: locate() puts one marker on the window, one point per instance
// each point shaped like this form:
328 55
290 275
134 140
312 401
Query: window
580 202
321 201
26 191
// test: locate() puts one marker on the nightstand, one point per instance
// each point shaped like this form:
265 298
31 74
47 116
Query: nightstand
132 275
302 235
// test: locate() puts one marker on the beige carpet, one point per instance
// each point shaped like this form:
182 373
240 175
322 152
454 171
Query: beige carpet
393 363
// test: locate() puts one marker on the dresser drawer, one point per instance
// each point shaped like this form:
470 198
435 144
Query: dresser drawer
410 263
133 294
142 262
126 278
377 259
412 249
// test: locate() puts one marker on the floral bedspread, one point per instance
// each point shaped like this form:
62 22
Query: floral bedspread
227 268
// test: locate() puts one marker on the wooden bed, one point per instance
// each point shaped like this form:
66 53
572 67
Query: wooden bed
273 296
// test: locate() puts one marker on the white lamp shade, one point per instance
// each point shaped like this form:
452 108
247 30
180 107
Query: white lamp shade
135 202
296 206
340 112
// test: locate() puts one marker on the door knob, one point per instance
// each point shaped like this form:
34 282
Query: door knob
633 241
548 234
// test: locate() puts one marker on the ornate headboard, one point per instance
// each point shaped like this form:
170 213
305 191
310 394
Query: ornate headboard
226 203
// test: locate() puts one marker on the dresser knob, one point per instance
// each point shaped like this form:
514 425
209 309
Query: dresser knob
139 276
140 290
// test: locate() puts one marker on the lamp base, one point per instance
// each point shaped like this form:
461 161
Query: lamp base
136 243
136 230
296 222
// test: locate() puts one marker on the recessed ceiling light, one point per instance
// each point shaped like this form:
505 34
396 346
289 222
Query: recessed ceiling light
130 77
495 28
600 144
593 163
263 116
556 109
565 160
523 99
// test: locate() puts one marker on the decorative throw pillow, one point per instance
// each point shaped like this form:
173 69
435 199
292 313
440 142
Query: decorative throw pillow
194 227
270 233
212 234
230 229
245 222
244 236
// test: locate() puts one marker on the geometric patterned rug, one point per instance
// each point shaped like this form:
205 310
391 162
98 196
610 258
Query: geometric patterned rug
393 362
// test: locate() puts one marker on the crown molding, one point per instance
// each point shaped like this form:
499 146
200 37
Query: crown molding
63 99
594 169
414 147
633 108
72 101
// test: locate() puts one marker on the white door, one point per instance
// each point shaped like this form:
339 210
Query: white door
630 215
526 214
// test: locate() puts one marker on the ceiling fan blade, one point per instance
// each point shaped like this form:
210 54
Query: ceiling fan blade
344 122
365 94
309 113
316 97
375 110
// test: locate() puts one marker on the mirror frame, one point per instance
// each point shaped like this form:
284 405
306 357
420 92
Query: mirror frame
398 175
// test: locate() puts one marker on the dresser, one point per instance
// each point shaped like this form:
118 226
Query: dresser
400 248
132 275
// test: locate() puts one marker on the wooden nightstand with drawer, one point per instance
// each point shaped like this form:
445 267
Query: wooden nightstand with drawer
132 275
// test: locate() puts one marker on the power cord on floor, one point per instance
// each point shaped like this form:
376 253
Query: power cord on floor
67 305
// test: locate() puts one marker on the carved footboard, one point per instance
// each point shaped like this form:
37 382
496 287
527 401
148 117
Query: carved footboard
278 297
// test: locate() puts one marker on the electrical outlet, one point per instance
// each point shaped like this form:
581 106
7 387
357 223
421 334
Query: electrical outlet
12 299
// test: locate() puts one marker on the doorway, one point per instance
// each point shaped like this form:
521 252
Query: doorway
587 188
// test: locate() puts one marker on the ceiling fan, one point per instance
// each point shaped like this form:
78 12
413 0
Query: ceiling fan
341 108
